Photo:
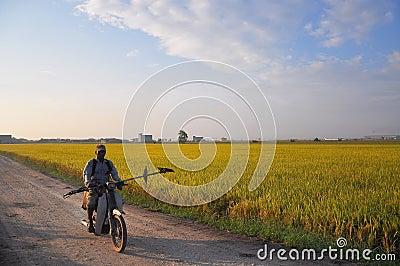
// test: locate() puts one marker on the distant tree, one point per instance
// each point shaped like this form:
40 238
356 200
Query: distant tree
182 136
316 139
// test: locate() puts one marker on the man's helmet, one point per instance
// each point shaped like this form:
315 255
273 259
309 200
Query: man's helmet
100 147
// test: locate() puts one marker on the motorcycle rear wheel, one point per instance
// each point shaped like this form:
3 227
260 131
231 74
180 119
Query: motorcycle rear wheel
119 234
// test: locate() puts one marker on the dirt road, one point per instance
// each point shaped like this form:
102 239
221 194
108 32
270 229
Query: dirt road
39 227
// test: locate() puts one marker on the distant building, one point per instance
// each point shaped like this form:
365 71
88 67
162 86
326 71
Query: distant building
110 140
5 139
383 137
145 138
223 139
197 139
334 139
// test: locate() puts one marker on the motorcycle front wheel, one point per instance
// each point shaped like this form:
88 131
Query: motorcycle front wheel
119 235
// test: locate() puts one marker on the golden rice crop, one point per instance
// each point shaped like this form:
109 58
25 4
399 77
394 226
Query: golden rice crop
349 190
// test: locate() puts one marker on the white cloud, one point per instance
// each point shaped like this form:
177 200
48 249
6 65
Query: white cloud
47 72
105 11
238 33
334 97
394 58
133 53
153 65
389 16
349 20
328 93
333 75
308 27
393 66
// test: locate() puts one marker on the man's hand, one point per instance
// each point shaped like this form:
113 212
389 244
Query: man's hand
119 185
89 184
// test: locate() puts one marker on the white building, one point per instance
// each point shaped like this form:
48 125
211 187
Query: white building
197 139
145 138
383 137
5 139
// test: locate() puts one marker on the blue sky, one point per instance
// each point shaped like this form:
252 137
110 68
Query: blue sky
327 68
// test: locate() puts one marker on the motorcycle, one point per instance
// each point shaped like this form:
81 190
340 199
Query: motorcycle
107 218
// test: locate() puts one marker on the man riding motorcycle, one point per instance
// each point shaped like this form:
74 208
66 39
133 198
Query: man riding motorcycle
97 171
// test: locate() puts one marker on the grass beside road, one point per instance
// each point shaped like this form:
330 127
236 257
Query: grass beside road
313 194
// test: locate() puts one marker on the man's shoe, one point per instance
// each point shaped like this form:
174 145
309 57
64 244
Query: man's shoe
91 228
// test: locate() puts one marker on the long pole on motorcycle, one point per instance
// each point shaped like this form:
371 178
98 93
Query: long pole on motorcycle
145 174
